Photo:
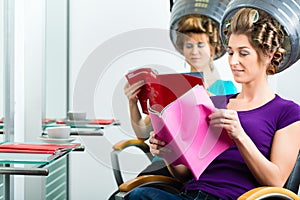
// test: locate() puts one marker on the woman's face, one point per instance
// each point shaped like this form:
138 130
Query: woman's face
244 60
197 51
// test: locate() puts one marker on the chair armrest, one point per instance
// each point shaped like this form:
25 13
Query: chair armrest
150 179
133 142
119 147
268 192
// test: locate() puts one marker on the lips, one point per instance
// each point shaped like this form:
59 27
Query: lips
237 71
195 59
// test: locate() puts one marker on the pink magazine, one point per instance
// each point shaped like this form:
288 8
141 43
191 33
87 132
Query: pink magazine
184 127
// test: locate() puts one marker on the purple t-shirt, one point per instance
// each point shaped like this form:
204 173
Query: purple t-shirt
228 176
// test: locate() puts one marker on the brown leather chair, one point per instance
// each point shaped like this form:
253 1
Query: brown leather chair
288 192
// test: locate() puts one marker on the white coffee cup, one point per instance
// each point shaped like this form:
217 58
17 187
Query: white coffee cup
76 115
60 132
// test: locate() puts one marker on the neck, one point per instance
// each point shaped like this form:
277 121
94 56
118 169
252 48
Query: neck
258 90
203 69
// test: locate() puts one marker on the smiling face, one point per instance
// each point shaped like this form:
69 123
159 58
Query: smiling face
244 61
197 51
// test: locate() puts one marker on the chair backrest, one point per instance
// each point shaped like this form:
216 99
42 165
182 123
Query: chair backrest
293 181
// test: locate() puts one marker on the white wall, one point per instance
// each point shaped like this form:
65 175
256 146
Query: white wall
55 59
287 82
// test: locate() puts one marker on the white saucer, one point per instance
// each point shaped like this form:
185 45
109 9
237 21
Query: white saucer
56 140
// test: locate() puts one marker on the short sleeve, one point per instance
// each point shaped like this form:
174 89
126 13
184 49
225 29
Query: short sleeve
290 113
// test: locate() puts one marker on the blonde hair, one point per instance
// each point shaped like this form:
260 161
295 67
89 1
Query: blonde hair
194 23
265 34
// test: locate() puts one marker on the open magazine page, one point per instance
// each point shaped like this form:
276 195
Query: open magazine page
184 127
161 89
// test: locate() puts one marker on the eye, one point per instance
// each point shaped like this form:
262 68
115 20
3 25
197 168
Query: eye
188 45
201 45
244 53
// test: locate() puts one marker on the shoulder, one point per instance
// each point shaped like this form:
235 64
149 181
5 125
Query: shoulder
288 111
286 104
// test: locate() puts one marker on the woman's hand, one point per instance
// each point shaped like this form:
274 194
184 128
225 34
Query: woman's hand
228 120
157 147
131 91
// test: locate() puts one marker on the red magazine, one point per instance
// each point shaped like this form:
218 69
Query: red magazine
35 148
161 89
102 121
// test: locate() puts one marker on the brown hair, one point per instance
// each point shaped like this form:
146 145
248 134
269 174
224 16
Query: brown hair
199 24
265 34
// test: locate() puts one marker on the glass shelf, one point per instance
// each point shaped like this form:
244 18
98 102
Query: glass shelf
32 164
81 125
81 128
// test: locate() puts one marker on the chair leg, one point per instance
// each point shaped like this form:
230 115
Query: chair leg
113 195
120 195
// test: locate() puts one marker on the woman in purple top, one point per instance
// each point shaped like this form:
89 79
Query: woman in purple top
264 127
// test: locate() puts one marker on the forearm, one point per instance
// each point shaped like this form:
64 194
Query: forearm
265 172
141 129
180 172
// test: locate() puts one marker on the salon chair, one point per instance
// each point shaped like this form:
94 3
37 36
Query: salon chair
288 192
158 181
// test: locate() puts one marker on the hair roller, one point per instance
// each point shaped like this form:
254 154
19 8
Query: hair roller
271 70
210 27
255 17
215 36
277 55
276 61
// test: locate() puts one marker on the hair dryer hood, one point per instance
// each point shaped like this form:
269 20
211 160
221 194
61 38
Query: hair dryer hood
213 9
286 12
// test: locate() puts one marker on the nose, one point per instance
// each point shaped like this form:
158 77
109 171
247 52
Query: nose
195 50
233 59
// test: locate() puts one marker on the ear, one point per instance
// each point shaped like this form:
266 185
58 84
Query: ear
269 57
